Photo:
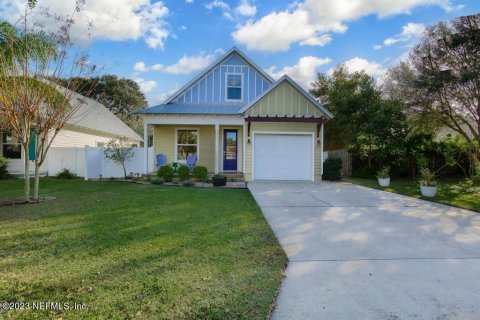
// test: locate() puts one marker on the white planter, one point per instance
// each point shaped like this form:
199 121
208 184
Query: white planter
428 191
384 182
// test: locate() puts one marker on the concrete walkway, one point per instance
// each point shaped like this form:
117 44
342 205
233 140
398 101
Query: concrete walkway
360 253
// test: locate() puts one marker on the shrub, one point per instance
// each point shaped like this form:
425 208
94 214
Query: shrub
3 168
332 168
165 172
427 178
183 172
158 181
66 174
188 183
200 173
384 173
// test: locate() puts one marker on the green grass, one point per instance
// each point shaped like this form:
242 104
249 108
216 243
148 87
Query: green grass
131 251
458 193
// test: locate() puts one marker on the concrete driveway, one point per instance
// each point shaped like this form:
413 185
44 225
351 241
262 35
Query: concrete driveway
360 253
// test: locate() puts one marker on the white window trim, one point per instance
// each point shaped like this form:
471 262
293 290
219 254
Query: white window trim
226 86
176 144
2 135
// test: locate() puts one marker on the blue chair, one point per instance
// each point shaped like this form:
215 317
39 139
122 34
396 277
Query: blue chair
191 160
161 160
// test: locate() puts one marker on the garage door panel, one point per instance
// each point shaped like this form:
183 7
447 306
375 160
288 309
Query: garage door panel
282 157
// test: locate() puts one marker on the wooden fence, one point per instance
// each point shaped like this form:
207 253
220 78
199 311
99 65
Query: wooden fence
346 160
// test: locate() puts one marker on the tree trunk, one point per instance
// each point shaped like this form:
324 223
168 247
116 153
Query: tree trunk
26 185
36 186
124 171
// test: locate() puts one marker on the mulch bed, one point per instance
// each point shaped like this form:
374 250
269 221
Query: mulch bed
11 202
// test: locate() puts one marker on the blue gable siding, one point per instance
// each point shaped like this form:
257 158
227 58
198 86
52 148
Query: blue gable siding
210 89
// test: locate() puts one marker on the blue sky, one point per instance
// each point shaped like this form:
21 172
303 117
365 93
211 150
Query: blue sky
163 44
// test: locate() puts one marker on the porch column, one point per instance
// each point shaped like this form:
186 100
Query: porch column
217 131
145 147
321 149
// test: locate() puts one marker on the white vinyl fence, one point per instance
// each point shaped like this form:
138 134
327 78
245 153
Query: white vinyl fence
90 162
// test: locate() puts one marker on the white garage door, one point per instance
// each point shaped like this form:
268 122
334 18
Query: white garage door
282 157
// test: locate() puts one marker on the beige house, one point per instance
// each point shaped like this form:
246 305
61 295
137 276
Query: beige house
91 125
235 118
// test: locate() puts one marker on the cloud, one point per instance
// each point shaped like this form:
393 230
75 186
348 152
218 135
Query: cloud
359 64
409 32
160 98
306 22
104 19
140 67
320 41
304 72
377 46
185 65
245 8
189 1
226 10
146 85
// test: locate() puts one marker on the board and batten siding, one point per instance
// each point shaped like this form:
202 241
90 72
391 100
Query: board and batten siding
211 87
284 100
283 127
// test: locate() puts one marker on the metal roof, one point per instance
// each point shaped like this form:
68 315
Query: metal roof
189 108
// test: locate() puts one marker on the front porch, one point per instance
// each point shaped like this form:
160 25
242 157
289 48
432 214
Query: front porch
218 146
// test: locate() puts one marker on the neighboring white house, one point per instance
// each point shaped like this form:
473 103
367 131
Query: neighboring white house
92 125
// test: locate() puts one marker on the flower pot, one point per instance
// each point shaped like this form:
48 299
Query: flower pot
428 191
219 182
384 182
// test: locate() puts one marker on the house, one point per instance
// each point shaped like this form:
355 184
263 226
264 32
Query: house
92 125
236 118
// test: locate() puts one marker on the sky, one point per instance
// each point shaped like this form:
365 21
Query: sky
164 44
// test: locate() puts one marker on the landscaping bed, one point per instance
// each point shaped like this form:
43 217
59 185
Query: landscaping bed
458 193
138 251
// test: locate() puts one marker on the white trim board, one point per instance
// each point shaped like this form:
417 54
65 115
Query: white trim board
194 120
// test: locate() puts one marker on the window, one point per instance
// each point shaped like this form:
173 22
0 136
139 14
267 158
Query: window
234 87
187 143
11 148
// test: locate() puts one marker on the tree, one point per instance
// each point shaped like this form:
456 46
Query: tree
121 96
370 126
352 98
21 95
119 150
30 105
440 81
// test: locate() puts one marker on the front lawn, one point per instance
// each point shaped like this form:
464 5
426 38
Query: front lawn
458 193
138 251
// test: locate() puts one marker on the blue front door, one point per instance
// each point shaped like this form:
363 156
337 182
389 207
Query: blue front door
230 150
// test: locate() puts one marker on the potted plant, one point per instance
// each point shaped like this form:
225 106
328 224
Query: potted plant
383 176
219 180
428 183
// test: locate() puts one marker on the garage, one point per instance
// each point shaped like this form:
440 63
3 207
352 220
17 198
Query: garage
282 156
